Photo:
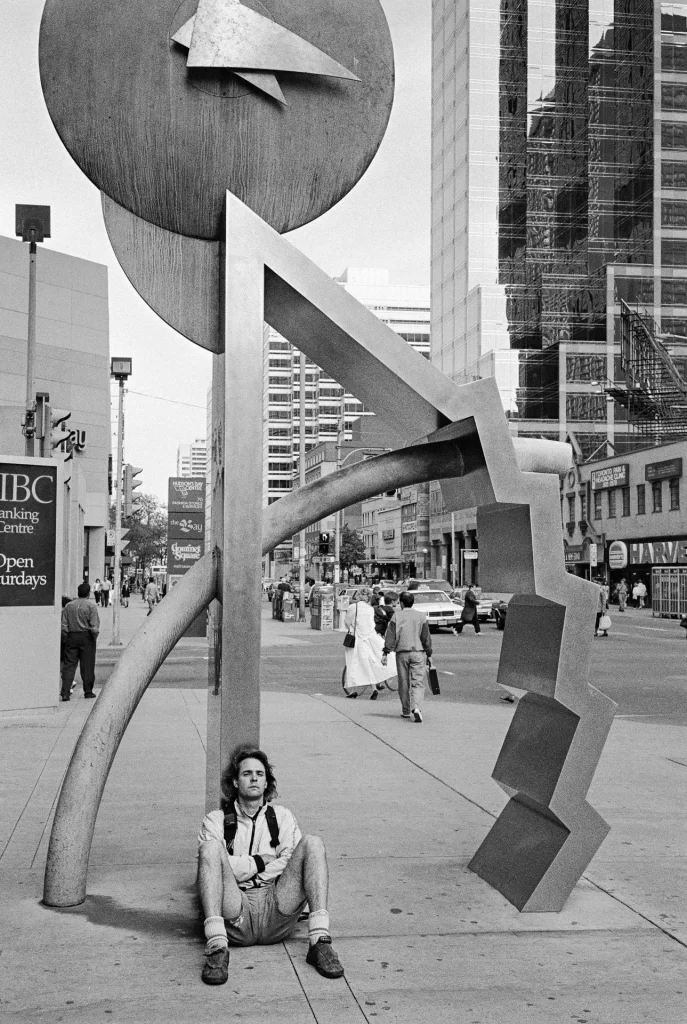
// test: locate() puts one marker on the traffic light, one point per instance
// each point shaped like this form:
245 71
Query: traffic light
324 543
129 503
59 435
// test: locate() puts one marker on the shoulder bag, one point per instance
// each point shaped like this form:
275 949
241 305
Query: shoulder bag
349 639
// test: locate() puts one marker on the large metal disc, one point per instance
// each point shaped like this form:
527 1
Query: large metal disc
166 141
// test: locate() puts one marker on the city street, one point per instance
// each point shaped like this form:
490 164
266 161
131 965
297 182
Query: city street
641 664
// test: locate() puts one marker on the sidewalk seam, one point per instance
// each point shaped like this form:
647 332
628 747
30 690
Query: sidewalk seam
33 790
305 994
639 913
586 878
405 757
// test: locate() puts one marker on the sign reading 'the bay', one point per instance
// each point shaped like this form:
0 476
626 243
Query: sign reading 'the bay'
28 528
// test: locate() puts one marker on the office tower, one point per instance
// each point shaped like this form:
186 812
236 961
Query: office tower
560 193
192 459
404 309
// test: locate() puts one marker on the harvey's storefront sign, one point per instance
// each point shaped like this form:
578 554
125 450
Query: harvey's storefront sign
648 552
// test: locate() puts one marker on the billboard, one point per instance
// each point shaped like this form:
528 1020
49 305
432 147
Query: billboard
181 525
186 494
28 534
611 476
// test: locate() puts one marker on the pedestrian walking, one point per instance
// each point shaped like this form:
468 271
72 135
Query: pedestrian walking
408 636
364 665
126 592
80 628
602 613
469 612
151 594
96 591
105 588
622 595
641 593
384 612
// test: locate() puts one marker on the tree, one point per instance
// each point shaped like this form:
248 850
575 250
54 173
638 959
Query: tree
147 532
351 549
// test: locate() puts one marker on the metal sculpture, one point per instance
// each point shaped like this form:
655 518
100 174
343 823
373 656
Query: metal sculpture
312 96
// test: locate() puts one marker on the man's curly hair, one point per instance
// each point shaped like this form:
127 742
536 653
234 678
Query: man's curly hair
229 790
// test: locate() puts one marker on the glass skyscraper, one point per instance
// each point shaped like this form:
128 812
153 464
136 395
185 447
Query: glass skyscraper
559 189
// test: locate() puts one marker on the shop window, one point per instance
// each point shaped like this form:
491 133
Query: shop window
657 496
674 494
611 503
597 504
641 499
626 501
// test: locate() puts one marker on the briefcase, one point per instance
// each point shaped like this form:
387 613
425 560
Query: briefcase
433 679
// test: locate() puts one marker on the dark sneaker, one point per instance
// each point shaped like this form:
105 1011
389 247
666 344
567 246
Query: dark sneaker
322 957
216 970
65 698
89 696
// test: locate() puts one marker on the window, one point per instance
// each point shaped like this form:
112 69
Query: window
277 397
674 291
674 175
626 501
641 499
634 289
674 250
674 494
611 503
674 96
571 508
673 214
597 504
657 496
583 506
673 58
674 135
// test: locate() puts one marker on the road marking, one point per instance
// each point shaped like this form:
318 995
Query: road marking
444 673
660 629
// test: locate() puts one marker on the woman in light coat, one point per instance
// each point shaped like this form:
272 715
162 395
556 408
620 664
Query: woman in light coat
364 661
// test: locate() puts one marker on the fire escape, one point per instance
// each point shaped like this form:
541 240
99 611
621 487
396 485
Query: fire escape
653 390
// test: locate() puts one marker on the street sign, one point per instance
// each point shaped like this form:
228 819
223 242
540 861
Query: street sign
471 555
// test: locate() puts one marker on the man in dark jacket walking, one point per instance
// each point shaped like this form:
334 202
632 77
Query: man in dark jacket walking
469 612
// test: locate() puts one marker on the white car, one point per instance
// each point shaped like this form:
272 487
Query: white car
438 607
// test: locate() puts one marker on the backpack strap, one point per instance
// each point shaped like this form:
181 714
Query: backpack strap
231 825
273 825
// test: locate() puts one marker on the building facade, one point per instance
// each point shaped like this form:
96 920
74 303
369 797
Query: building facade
329 413
626 516
192 459
72 365
559 192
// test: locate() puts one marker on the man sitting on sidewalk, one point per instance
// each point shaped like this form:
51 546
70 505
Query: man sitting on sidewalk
256 872
408 635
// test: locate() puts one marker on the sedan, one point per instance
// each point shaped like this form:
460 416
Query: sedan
438 608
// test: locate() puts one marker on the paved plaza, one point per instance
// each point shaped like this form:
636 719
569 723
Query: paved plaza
401 808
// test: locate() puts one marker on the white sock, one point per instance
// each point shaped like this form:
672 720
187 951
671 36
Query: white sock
318 925
215 933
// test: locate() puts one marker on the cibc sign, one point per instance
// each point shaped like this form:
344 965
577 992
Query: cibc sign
28 534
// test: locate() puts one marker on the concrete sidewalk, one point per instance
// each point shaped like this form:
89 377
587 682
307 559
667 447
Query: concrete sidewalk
401 808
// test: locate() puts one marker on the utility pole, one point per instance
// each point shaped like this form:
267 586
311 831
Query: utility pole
340 438
301 477
33 224
120 369
453 550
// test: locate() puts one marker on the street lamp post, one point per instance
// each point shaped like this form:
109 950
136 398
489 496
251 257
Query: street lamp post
33 224
120 369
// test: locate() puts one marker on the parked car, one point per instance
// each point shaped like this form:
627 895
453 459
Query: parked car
438 607
499 608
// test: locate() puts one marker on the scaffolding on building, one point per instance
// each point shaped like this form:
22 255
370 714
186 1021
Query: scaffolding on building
653 391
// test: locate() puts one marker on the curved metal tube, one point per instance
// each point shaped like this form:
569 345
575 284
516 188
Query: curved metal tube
84 782
72 832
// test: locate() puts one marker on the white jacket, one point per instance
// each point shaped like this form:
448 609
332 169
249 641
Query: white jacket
253 836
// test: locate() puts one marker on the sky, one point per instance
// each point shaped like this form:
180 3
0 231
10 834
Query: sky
383 222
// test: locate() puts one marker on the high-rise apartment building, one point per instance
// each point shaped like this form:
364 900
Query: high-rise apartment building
405 309
559 189
192 459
